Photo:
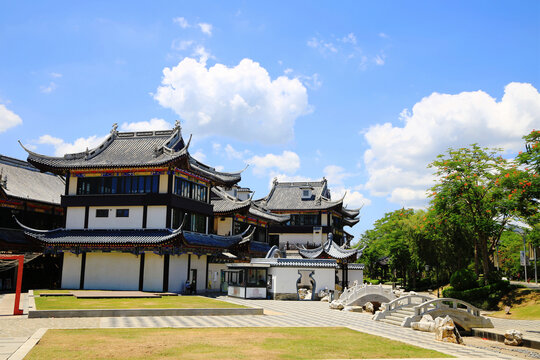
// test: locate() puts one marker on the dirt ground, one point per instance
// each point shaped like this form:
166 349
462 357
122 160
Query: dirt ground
517 351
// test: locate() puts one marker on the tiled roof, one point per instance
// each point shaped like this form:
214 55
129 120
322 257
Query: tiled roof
21 180
12 236
134 149
331 249
148 148
312 263
288 196
225 203
130 237
217 241
101 237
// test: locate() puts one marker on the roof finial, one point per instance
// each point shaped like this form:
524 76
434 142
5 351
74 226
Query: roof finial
275 181
177 125
114 129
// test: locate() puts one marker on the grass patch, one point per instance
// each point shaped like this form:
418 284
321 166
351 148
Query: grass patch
524 305
37 292
165 302
221 343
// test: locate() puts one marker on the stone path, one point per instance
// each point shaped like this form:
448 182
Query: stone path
279 313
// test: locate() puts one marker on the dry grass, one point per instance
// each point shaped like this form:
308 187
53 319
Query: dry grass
221 343
165 302
524 305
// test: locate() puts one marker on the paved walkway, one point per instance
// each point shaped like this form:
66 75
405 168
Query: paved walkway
280 313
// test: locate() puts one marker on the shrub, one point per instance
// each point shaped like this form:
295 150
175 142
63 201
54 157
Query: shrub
463 279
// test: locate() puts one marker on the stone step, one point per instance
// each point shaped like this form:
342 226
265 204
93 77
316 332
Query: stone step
395 317
404 311
392 322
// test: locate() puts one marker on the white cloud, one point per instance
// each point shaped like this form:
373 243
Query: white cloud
61 147
287 162
180 45
383 35
287 71
350 38
335 174
242 102
49 88
321 45
287 178
8 119
199 155
202 53
206 28
353 199
152 125
312 82
56 75
379 59
181 22
398 155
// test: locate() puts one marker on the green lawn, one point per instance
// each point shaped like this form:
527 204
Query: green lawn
221 343
165 302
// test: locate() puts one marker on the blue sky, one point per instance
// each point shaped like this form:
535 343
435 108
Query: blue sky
366 94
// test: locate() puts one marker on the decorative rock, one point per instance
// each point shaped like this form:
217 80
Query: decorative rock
336 305
353 308
445 330
369 307
325 298
513 337
426 324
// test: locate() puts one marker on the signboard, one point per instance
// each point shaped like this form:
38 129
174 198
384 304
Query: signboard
523 259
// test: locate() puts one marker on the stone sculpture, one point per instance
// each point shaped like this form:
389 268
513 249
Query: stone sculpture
426 324
445 330
513 337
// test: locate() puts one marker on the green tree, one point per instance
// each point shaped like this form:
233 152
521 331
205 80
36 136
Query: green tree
472 194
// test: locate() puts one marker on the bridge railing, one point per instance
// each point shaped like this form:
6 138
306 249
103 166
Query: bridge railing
399 303
353 293
445 303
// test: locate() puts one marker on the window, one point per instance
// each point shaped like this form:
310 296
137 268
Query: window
190 190
122 212
102 213
306 194
305 219
118 185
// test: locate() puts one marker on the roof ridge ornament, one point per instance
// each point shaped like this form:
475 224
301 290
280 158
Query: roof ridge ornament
177 125
114 130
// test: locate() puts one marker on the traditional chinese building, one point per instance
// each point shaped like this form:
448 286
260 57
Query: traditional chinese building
138 214
34 197
313 214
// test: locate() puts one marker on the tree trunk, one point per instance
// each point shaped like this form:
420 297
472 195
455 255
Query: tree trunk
476 265
485 257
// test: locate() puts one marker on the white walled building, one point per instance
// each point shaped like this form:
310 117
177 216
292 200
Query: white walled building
313 214
138 214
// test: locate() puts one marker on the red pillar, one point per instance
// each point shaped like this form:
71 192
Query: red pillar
20 258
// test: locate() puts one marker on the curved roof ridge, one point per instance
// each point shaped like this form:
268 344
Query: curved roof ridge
225 196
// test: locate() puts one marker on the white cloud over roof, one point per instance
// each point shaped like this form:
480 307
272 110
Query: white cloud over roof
241 102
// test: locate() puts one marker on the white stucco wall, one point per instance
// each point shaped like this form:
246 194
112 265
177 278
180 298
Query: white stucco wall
75 217
163 182
177 272
223 227
134 221
284 278
153 272
302 238
71 271
112 271
156 217
72 185
356 275
214 275
200 265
